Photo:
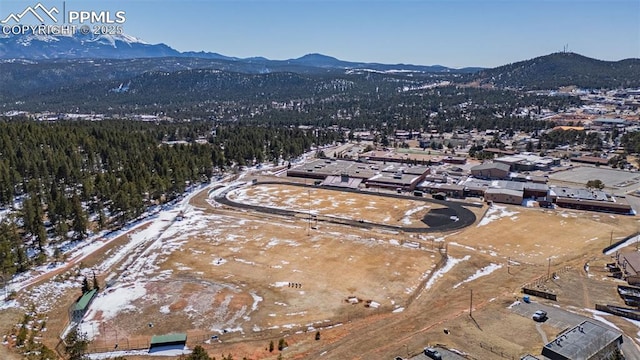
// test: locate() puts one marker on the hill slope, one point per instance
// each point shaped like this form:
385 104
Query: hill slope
564 69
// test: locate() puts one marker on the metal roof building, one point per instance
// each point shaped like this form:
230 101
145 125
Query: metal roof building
586 341
169 341
80 308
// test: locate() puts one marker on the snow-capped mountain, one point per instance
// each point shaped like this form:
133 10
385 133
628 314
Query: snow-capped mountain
37 47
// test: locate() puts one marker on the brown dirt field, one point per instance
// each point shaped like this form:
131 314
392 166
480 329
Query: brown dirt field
8 319
217 273
265 259
343 205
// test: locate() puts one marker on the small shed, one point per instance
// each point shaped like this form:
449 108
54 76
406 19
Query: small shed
168 342
82 305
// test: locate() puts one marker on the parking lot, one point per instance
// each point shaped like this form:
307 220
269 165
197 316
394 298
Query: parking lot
556 317
610 177
446 354
562 319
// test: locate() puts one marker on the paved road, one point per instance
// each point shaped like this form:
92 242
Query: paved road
562 319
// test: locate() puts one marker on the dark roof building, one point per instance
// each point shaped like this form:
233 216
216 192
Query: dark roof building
491 171
342 181
504 196
629 262
593 160
587 199
587 341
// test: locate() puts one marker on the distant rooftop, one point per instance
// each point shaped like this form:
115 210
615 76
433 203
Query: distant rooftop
584 194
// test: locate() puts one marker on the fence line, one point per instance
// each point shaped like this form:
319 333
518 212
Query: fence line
441 263
498 351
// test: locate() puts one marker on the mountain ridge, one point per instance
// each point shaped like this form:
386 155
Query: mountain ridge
122 46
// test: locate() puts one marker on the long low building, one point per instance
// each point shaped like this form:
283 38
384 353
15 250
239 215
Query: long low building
340 173
589 199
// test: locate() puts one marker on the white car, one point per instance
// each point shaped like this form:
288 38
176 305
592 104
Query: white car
540 315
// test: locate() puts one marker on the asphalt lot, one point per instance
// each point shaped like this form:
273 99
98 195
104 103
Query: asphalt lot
610 177
446 355
556 317
562 319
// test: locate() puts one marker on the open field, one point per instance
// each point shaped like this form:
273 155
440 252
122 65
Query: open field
252 277
343 205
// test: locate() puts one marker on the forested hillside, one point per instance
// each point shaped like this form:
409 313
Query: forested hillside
564 69
65 179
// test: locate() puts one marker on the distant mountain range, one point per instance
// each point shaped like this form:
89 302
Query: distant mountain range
85 72
35 47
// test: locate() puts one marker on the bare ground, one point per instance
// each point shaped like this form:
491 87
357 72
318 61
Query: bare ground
254 254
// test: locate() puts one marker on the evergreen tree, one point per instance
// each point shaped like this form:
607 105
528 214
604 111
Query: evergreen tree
95 282
79 223
199 353
75 345
85 285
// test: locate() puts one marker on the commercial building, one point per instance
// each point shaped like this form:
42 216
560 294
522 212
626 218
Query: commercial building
589 199
528 162
491 171
586 341
343 173
503 196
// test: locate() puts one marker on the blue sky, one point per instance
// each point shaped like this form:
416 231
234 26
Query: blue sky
454 33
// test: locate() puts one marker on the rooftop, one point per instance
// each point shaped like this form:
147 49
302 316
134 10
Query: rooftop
85 299
574 193
169 338
487 166
582 341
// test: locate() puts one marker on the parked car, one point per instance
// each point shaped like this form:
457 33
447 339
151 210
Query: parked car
540 315
432 353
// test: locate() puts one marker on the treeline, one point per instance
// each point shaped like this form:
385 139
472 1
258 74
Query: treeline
553 139
67 178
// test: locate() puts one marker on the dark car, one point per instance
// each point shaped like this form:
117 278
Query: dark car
432 353
540 315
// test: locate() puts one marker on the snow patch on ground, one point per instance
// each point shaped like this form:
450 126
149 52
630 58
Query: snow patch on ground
480 273
451 262
599 315
494 213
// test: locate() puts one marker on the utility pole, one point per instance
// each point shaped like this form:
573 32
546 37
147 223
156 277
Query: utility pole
471 303
508 263
611 239
309 222
549 269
